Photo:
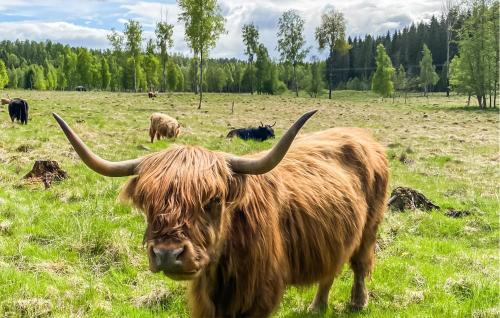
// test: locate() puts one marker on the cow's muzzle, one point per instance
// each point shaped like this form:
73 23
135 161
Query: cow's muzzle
177 262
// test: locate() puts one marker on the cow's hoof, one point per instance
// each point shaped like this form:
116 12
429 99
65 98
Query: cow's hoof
359 299
358 304
317 308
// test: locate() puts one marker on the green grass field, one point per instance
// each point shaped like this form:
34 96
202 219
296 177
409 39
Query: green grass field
74 251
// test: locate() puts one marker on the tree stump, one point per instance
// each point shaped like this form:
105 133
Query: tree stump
46 171
408 199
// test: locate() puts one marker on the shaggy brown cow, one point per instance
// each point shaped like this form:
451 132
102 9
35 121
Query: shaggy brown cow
242 228
163 126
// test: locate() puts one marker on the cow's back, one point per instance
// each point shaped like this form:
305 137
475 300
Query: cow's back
331 179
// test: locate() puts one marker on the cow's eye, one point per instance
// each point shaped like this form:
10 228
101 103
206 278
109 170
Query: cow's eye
212 206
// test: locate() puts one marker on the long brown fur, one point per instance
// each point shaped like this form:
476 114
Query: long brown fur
163 126
296 225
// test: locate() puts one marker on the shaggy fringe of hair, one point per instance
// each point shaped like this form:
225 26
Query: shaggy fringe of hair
298 224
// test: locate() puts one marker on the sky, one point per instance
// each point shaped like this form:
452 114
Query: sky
86 23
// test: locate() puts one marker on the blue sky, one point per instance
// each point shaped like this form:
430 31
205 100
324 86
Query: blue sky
86 23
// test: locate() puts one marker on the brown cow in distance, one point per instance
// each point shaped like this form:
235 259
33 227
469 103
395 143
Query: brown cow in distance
162 125
243 228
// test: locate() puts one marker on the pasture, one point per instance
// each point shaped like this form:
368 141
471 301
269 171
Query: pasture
74 250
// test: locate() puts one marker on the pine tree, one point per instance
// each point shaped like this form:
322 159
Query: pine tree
428 76
382 79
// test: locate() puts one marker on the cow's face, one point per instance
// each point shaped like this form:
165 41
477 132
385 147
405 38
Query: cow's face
267 131
187 194
184 193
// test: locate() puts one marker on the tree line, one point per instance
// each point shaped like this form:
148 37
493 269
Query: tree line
420 53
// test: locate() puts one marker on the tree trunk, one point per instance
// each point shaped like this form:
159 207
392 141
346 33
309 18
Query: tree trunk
135 76
164 84
468 100
295 80
201 78
330 74
251 78
448 38
195 76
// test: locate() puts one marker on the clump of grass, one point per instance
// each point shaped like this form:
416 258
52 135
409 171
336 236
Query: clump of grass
460 288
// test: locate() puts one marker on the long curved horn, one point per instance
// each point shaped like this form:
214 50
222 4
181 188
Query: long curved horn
274 156
93 161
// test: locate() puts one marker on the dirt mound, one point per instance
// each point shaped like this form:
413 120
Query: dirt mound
46 171
408 199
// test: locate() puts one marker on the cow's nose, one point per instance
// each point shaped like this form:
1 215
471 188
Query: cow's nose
168 259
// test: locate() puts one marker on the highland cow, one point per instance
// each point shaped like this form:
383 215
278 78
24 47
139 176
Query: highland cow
261 133
18 109
163 126
243 228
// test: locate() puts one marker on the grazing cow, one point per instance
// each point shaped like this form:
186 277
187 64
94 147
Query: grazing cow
18 109
152 94
163 126
243 228
81 89
261 133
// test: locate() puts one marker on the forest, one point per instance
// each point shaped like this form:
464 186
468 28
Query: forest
127 66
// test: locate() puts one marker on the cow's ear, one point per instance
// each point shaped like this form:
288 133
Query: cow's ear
127 192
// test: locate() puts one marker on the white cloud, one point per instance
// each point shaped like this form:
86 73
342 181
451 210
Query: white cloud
97 17
63 32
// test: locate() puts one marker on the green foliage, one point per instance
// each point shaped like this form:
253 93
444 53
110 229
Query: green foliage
355 84
164 32
460 77
172 76
151 70
382 79
51 76
265 72
4 76
133 39
203 24
251 41
291 41
37 78
83 67
400 80
476 70
428 76
315 86
331 35
105 74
